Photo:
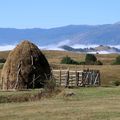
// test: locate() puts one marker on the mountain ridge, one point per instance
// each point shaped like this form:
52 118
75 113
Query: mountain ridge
97 49
107 34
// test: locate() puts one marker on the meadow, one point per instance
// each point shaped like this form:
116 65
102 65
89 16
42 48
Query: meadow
54 57
102 103
92 103
109 73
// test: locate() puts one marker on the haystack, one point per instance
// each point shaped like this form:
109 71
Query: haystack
26 67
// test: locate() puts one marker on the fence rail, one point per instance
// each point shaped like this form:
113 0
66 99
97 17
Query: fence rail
82 78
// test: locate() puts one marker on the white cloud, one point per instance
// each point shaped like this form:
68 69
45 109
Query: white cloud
116 46
83 46
101 52
7 47
50 47
65 42
55 46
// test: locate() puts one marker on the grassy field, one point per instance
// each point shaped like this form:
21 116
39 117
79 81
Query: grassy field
54 57
109 73
87 104
102 103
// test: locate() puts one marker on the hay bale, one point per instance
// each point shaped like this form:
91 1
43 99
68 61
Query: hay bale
25 67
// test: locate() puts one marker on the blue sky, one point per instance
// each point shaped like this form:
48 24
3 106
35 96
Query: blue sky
53 13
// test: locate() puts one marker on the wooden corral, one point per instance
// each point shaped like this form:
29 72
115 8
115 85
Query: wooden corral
69 78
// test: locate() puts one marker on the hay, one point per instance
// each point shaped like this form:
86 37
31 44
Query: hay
26 67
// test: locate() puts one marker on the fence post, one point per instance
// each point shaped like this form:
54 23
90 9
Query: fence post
83 80
93 78
77 78
7 84
67 79
88 78
33 81
60 77
99 78
2 84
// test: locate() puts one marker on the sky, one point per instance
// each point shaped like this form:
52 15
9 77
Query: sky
55 13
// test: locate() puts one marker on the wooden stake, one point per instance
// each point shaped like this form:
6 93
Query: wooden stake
67 79
18 72
77 78
60 77
33 81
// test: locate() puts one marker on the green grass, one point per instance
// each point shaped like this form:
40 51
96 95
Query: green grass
87 104
101 103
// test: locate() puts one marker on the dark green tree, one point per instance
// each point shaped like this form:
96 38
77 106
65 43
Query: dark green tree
2 60
90 59
117 61
98 63
68 60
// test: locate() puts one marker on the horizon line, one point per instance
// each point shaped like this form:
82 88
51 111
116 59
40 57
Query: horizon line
47 28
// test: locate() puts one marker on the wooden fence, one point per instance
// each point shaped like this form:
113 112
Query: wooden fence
69 78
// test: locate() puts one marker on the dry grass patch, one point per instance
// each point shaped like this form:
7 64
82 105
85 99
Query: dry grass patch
4 54
86 104
55 56
109 72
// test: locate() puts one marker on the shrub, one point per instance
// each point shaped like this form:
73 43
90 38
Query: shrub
117 61
90 59
98 63
82 63
2 60
116 83
68 60
50 85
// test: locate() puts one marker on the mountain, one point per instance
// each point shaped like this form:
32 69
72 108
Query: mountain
108 34
41 36
98 49
104 34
